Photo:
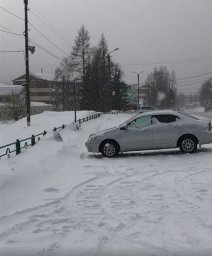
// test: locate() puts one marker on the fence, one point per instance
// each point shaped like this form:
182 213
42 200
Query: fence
19 145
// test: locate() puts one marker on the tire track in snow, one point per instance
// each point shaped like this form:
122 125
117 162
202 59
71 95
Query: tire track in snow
109 203
34 215
200 193
92 195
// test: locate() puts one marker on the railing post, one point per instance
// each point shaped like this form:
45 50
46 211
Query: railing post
18 147
33 140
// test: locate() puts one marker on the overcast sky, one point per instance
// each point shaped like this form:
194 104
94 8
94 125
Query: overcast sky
148 33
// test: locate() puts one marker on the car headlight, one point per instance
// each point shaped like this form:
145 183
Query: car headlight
92 137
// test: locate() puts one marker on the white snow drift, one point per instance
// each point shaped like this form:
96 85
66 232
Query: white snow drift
56 199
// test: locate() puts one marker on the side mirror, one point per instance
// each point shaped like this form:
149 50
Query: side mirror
123 127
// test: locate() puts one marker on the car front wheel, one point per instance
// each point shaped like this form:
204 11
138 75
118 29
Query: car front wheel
188 145
109 149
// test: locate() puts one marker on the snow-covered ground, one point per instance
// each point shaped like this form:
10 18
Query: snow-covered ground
56 199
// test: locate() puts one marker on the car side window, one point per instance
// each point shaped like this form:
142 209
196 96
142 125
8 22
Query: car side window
141 121
166 118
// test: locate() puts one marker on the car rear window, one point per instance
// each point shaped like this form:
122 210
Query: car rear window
166 118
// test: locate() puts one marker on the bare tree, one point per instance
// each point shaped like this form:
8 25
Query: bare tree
80 55
206 93
16 106
162 90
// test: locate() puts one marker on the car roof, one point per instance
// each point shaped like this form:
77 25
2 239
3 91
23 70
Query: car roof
159 112
156 112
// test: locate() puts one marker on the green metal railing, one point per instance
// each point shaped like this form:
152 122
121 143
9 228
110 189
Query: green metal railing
19 145
85 119
79 121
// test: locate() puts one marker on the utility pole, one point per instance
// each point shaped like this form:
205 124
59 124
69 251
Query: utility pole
75 103
110 85
138 95
63 93
27 63
138 91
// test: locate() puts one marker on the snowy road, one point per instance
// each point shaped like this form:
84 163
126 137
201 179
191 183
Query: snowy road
75 203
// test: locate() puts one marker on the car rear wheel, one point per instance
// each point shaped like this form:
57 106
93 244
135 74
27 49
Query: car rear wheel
109 149
188 145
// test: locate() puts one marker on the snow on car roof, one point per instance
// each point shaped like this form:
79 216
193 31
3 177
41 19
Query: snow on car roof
159 112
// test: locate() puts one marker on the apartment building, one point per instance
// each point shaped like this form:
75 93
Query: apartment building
43 88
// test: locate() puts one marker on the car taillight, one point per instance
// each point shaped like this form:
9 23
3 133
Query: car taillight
209 126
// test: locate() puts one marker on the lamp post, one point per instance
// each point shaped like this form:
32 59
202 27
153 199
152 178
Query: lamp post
75 98
75 102
138 77
109 66
108 57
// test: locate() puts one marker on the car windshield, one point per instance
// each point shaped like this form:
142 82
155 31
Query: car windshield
129 120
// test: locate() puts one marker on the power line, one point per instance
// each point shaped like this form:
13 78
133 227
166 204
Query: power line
193 83
35 29
166 62
189 84
11 31
191 60
9 51
8 32
193 73
6 28
47 39
39 16
184 78
193 80
38 45
11 13
45 50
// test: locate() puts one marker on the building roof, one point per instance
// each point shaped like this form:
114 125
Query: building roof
44 76
38 76
10 89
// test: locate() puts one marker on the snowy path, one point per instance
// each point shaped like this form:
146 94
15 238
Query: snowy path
154 203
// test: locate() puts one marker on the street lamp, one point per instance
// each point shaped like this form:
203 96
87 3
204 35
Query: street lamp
76 80
138 76
109 56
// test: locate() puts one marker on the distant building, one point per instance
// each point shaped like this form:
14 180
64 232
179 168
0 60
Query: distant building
144 95
44 88
132 92
41 86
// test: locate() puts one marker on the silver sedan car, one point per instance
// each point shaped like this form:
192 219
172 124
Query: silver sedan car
152 130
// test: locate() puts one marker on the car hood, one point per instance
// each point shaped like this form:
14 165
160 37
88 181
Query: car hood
102 132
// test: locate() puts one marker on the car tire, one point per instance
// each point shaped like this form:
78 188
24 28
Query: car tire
188 145
109 148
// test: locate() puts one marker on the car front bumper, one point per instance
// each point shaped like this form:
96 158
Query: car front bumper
92 146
